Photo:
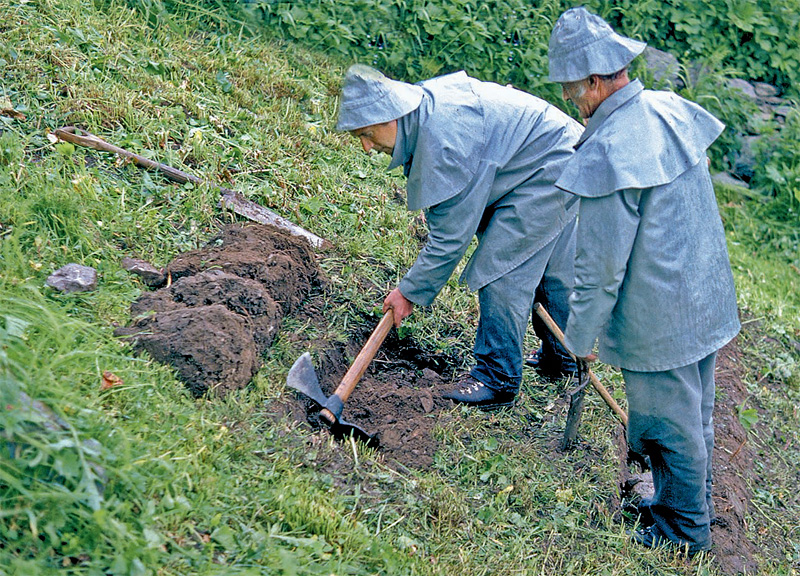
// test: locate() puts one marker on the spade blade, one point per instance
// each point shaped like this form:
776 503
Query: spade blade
303 378
342 429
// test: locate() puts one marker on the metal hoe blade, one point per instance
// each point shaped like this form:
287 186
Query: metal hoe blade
303 378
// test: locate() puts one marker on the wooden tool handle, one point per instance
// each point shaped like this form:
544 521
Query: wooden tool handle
231 200
70 134
362 362
548 320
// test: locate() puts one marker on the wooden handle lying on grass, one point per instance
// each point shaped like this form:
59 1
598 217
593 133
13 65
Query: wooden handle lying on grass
234 201
361 363
548 320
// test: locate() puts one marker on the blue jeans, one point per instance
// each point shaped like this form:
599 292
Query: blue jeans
671 422
505 307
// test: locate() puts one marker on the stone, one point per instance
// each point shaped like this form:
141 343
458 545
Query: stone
642 485
729 180
765 90
73 278
150 275
744 164
783 111
744 86
663 65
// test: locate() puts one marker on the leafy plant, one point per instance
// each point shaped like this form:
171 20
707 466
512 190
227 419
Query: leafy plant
778 161
758 39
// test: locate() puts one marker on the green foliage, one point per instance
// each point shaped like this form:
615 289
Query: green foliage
502 41
778 173
759 39
141 478
65 498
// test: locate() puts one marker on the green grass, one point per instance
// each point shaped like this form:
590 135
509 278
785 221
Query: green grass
143 479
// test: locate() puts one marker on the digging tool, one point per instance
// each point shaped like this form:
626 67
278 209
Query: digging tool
302 377
234 201
576 396
548 320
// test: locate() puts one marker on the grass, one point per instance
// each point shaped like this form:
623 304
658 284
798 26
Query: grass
143 479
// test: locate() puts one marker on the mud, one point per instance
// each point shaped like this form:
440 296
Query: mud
397 400
223 306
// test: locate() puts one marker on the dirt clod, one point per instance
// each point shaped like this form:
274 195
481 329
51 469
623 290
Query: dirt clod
224 306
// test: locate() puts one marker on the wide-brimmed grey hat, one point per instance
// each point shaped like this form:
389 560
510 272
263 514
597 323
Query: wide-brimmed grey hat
369 97
583 44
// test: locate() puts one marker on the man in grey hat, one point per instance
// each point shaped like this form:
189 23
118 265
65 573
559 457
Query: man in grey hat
481 160
653 280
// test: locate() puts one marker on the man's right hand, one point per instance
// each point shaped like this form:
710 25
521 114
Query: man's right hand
400 305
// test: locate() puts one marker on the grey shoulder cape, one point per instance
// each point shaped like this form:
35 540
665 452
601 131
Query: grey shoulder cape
654 138
446 160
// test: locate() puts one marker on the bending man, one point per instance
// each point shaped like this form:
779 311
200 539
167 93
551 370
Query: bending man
481 159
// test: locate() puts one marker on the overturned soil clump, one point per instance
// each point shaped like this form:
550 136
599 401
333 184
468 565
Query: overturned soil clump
224 306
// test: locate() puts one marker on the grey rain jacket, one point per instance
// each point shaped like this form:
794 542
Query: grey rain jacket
482 159
653 279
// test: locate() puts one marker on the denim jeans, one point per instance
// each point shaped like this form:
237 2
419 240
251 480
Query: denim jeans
505 307
671 422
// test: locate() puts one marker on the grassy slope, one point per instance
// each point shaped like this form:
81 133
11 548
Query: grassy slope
211 487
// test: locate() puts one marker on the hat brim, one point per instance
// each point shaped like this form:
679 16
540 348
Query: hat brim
604 56
383 106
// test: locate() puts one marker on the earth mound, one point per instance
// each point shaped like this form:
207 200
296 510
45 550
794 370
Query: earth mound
222 306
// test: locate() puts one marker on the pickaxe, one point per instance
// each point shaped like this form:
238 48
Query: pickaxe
585 376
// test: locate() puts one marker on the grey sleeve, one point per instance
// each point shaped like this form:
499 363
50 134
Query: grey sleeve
451 225
607 228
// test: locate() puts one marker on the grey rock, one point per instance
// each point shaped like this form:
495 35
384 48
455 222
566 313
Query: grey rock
783 111
642 485
765 90
73 278
744 86
664 66
149 274
745 161
729 180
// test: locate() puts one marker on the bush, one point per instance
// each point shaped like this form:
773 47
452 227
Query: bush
759 39
501 41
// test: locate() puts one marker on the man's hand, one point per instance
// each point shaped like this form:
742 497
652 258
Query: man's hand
588 359
400 305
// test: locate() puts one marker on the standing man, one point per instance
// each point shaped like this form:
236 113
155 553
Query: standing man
481 160
653 280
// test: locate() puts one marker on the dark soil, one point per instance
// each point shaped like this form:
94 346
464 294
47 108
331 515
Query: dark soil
396 401
399 401
223 305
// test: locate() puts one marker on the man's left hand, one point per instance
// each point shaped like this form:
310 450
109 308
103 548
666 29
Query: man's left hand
400 305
